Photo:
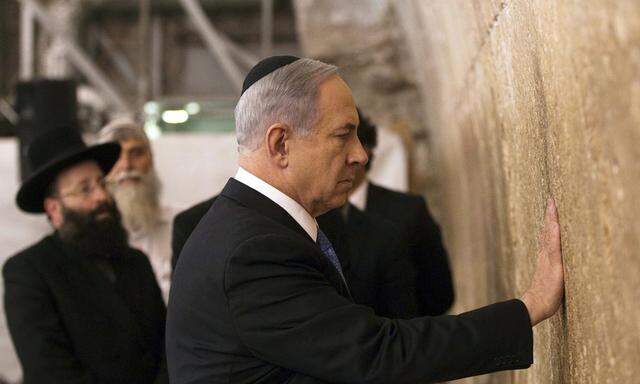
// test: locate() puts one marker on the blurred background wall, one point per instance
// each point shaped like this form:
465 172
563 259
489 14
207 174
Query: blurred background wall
489 107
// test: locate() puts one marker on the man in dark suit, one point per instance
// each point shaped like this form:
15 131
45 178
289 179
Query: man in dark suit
409 212
372 251
81 306
374 259
380 254
259 294
183 225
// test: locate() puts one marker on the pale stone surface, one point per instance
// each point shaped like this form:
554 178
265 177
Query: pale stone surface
530 99
521 100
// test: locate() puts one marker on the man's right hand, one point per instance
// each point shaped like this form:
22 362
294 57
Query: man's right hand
544 296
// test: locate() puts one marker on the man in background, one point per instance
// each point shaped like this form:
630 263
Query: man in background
409 212
184 223
136 188
81 305
375 261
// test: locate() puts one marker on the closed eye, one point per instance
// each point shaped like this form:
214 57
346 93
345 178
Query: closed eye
346 131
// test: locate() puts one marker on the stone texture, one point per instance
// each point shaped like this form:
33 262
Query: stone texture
530 99
520 100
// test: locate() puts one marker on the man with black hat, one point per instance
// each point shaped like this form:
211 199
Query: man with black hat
81 305
259 295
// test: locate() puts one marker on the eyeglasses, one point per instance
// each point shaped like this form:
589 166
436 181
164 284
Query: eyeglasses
86 189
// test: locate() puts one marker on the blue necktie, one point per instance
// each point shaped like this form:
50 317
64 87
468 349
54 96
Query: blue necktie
329 253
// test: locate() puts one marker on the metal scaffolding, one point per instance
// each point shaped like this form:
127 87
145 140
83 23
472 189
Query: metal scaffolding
233 58
74 53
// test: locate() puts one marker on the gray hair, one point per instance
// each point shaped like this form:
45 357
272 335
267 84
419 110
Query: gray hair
122 129
287 95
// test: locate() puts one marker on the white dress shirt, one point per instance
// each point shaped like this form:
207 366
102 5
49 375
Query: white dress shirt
295 210
358 198
157 246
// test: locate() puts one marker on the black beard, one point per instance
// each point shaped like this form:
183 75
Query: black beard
92 236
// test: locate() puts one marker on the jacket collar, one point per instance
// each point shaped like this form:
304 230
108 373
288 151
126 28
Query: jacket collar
250 198
293 208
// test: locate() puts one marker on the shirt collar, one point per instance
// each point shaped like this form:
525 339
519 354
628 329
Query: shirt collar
358 198
295 210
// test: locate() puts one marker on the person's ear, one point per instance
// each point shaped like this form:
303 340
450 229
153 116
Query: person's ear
53 208
278 141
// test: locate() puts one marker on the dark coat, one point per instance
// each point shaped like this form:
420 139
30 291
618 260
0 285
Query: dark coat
254 300
183 225
410 213
372 252
70 324
373 255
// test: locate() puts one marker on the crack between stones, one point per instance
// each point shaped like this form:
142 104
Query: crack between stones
485 39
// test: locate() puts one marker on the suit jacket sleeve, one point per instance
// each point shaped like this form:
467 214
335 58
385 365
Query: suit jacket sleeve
41 342
270 280
434 283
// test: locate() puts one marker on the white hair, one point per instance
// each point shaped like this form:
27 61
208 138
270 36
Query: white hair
287 95
122 129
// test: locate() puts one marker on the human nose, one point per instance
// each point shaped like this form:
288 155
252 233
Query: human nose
100 192
359 155
124 163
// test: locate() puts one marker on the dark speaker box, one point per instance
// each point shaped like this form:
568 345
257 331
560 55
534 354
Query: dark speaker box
42 105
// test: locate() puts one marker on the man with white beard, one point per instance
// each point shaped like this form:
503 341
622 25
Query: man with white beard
135 186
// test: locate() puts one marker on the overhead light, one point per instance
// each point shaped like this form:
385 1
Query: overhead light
192 108
175 116
152 130
151 108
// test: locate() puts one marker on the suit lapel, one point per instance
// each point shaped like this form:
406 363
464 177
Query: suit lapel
93 289
255 200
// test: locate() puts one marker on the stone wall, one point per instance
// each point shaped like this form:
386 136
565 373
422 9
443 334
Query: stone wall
522 100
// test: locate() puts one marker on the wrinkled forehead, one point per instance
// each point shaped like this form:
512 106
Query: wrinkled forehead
121 132
134 143
335 101
79 173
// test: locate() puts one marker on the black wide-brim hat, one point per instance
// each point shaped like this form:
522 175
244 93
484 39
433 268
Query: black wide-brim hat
51 153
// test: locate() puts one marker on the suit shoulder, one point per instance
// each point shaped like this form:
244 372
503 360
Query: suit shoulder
404 198
136 255
34 254
195 212
251 225
34 251
372 223
233 224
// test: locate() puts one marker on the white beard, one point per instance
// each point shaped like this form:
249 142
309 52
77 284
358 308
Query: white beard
139 203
